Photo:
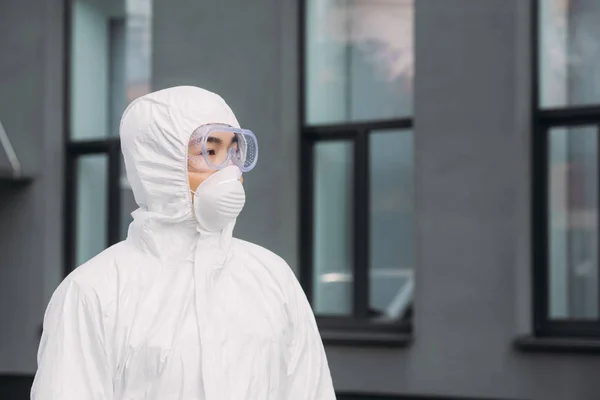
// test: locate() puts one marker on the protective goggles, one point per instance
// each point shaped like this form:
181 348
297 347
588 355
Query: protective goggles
216 146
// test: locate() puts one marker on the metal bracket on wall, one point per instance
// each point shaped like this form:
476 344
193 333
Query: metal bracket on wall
10 167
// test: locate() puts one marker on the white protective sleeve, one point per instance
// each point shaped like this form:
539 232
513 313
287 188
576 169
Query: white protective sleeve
72 361
308 372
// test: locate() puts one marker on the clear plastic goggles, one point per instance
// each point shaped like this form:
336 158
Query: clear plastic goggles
216 146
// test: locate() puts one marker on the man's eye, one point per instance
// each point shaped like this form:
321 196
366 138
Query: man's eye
209 152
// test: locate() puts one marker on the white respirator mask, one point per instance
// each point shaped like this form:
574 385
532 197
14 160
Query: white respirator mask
219 200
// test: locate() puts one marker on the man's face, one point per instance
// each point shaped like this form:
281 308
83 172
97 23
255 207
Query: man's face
217 148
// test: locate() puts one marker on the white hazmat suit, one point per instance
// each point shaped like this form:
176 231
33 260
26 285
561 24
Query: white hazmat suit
180 310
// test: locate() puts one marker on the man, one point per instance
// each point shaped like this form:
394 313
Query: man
180 310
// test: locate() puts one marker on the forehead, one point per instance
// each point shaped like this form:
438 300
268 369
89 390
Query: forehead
221 133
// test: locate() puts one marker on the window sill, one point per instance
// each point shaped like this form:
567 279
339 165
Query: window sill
366 339
557 345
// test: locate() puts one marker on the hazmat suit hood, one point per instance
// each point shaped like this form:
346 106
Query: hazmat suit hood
175 312
155 132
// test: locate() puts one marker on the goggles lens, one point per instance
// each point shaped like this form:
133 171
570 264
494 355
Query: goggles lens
214 147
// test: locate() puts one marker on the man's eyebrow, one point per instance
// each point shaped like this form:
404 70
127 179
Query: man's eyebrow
213 139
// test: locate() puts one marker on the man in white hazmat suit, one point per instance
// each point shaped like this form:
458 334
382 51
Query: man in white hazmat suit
180 310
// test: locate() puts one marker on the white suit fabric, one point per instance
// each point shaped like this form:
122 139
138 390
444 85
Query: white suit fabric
179 311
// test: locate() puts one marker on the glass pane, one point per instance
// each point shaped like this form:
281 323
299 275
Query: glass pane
110 63
359 60
569 40
333 228
573 227
392 219
92 187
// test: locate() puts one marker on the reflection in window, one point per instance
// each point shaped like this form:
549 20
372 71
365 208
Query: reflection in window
569 40
92 187
332 240
391 230
359 60
138 60
89 71
110 63
573 226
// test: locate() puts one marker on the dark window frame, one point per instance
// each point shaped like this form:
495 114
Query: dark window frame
543 121
110 146
356 328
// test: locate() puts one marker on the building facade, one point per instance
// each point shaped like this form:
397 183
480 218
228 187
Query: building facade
429 169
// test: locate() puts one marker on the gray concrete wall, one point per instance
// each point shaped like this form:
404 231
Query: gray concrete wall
31 85
246 52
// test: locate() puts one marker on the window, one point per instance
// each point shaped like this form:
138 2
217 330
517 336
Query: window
566 168
109 66
357 166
